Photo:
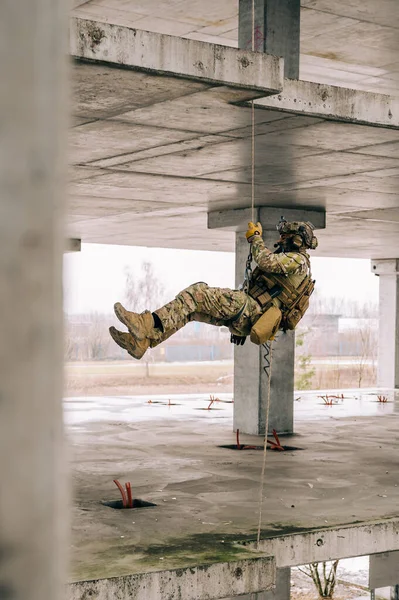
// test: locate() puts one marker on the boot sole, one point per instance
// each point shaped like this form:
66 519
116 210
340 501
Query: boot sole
115 336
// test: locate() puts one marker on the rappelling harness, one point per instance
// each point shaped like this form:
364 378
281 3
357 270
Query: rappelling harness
294 302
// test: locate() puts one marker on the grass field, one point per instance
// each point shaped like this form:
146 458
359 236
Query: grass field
132 378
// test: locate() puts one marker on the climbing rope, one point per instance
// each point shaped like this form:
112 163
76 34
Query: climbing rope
248 274
267 359
245 287
262 478
253 126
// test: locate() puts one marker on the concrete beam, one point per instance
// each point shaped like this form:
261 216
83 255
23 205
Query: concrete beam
335 103
282 591
385 266
73 245
256 72
237 219
332 543
203 582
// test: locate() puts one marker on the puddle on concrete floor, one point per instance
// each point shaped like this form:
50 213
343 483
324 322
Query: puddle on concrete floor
307 406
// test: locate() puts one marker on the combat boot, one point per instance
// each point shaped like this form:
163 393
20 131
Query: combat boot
136 348
140 326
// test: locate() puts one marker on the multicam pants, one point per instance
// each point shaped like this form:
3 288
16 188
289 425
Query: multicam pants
216 306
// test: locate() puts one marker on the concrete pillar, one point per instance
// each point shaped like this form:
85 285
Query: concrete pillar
251 391
388 335
275 27
395 592
384 571
276 31
251 383
282 590
33 515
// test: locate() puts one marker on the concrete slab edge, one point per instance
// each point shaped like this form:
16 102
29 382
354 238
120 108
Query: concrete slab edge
179 57
385 266
332 543
335 103
202 582
72 245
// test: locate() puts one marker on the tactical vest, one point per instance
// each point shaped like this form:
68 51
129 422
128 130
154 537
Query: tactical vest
264 287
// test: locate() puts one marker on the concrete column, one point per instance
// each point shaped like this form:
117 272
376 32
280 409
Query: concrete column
384 571
33 515
395 592
251 390
282 590
251 383
388 336
276 31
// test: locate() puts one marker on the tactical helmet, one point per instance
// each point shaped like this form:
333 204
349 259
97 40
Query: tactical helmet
301 233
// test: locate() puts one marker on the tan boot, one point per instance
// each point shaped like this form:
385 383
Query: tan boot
139 325
136 348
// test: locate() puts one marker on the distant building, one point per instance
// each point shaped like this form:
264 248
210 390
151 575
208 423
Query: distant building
334 335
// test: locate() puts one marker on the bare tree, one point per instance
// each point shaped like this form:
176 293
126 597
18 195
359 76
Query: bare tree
368 345
69 343
323 575
145 291
97 338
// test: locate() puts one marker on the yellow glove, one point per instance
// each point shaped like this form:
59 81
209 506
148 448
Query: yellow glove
253 230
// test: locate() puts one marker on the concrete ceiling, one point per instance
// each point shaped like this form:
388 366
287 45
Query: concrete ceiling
151 155
351 43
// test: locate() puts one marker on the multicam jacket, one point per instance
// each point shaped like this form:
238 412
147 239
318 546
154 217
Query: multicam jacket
284 263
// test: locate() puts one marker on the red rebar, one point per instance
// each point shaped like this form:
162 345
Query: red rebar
210 404
238 440
122 491
277 444
327 400
129 495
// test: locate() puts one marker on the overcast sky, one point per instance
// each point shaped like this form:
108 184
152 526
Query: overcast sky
95 277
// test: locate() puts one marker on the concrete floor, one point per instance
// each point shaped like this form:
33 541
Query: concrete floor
207 497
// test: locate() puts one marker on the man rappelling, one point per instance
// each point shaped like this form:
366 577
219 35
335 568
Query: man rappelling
274 296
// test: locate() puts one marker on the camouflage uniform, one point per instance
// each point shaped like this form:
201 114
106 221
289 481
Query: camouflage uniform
216 306
225 307
234 309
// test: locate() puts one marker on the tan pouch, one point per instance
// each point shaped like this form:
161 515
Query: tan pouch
292 319
267 326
